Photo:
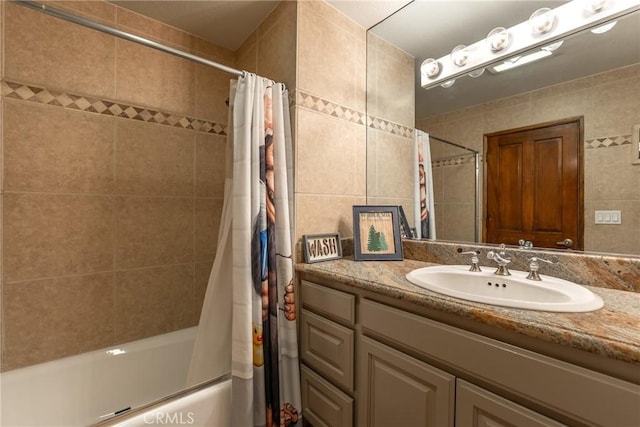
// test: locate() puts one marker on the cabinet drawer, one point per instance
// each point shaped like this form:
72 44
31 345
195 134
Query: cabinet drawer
328 348
338 305
323 405
477 407
581 394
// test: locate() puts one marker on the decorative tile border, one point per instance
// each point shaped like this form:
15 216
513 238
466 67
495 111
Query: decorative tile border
324 106
390 127
455 161
608 141
88 104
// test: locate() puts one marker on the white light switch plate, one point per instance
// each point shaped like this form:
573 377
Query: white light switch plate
608 217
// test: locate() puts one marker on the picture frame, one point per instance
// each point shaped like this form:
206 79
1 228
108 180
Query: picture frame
406 232
321 247
376 233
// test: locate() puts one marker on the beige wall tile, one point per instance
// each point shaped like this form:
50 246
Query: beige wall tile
277 45
51 149
200 283
207 223
459 183
390 82
615 178
99 11
467 130
458 224
143 26
153 231
215 53
247 55
211 91
56 235
210 165
147 77
564 104
389 176
49 319
331 157
325 214
60 55
509 118
615 108
331 55
622 238
154 159
153 301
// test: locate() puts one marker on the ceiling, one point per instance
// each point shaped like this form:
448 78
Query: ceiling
229 23
422 28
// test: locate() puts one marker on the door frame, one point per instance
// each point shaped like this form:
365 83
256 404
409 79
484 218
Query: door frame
579 120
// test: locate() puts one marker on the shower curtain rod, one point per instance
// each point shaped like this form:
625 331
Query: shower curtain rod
454 144
124 35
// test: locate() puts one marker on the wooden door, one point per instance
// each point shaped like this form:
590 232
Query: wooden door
534 181
398 390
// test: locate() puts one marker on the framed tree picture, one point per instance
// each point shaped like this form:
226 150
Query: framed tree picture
376 233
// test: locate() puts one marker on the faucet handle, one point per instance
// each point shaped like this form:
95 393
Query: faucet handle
534 266
525 244
475 261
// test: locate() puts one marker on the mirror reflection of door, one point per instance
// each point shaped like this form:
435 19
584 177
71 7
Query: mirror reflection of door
534 185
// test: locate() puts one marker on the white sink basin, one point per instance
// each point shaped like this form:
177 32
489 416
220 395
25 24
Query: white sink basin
549 294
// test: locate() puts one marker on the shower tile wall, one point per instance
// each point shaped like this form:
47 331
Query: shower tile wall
390 125
330 124
112 183
609 104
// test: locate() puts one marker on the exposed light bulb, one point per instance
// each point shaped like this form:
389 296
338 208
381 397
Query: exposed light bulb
498 39
460 55
430 68
542 20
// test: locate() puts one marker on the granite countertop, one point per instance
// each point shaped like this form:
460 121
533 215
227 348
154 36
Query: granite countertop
613 331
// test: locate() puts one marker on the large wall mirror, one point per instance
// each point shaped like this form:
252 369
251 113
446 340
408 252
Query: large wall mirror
592 77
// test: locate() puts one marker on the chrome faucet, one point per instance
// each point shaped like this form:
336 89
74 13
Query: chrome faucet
475 261
534 266
502 259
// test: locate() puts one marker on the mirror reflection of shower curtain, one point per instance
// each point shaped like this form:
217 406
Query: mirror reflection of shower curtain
255 307
424 212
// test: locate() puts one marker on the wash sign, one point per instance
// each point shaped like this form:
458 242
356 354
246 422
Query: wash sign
321 247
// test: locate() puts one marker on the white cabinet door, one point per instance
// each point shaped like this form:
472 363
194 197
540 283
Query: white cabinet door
397 390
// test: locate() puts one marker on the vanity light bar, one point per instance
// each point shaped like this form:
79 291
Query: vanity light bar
567 19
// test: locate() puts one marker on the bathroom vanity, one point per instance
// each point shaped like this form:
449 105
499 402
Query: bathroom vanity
377 350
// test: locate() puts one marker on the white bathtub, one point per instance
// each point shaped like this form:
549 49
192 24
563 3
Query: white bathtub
88 388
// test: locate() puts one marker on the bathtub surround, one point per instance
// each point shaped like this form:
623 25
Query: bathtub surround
111 191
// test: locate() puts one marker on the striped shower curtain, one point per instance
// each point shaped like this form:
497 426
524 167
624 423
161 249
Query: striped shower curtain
264 351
